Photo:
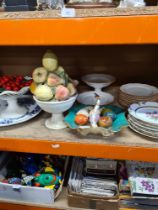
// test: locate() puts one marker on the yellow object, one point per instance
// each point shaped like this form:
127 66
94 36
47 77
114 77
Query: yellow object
50 187
43 93
50 61
33 87
49 169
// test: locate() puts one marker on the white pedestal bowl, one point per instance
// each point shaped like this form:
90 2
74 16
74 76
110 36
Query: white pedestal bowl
13 109
56 108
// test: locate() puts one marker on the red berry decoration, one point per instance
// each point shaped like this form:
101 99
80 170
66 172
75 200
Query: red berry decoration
13 83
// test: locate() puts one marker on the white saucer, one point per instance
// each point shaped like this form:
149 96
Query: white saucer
89 98
32 110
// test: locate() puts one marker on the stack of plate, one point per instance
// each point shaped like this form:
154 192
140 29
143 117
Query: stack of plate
136 92
143 118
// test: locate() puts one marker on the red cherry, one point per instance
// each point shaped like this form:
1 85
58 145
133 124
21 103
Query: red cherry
8 88
15 88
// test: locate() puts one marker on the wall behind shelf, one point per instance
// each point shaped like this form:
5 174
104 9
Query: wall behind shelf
129 63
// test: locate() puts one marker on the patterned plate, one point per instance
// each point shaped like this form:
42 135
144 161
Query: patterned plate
142 124
142 132
147 112
32 107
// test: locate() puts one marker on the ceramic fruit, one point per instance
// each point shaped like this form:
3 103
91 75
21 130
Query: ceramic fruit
54 80
59 70
39 75
52 83
109 113
62 93
50 61
71 89
33 87
105 121
81 119
84 111
43 92
105 110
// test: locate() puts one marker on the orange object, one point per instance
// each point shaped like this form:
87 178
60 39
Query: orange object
105 121
81 119
33 87
9 206
100 150
80 31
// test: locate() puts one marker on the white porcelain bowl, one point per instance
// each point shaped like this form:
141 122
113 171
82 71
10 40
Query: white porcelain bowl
56 108
98 81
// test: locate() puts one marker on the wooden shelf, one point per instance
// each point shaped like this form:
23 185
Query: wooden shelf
90 27
34 137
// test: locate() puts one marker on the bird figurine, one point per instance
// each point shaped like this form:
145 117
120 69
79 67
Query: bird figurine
94 114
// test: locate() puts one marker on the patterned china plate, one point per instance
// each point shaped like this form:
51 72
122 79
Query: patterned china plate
142 124
134 128
32 110
146 130
147 112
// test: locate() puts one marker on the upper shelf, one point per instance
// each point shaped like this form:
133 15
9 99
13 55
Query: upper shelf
90 27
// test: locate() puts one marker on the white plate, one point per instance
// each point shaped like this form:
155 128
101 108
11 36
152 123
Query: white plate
32 110
147 112
138 89
144 130
88 98
141 125
142 133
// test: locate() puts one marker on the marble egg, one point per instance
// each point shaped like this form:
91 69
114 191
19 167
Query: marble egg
108 113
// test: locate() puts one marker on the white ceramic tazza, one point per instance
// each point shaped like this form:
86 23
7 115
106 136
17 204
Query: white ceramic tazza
88 98
56 108
98 81
13 110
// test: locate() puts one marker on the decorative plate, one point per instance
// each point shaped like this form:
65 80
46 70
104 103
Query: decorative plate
147 112
138 89
142 125
144 130
32 110
134 128
89 98
119 122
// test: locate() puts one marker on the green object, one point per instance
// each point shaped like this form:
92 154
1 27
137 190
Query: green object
47 180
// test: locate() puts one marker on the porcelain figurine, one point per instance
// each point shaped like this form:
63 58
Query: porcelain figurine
95 114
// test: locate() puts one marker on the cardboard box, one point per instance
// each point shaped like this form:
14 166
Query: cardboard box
26 194
92 202
37 195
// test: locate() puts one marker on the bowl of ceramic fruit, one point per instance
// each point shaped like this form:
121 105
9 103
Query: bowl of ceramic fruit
12 87
54 91
100 120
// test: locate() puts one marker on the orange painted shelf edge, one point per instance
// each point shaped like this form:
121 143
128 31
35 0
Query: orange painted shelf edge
9 206
80 31
80 149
